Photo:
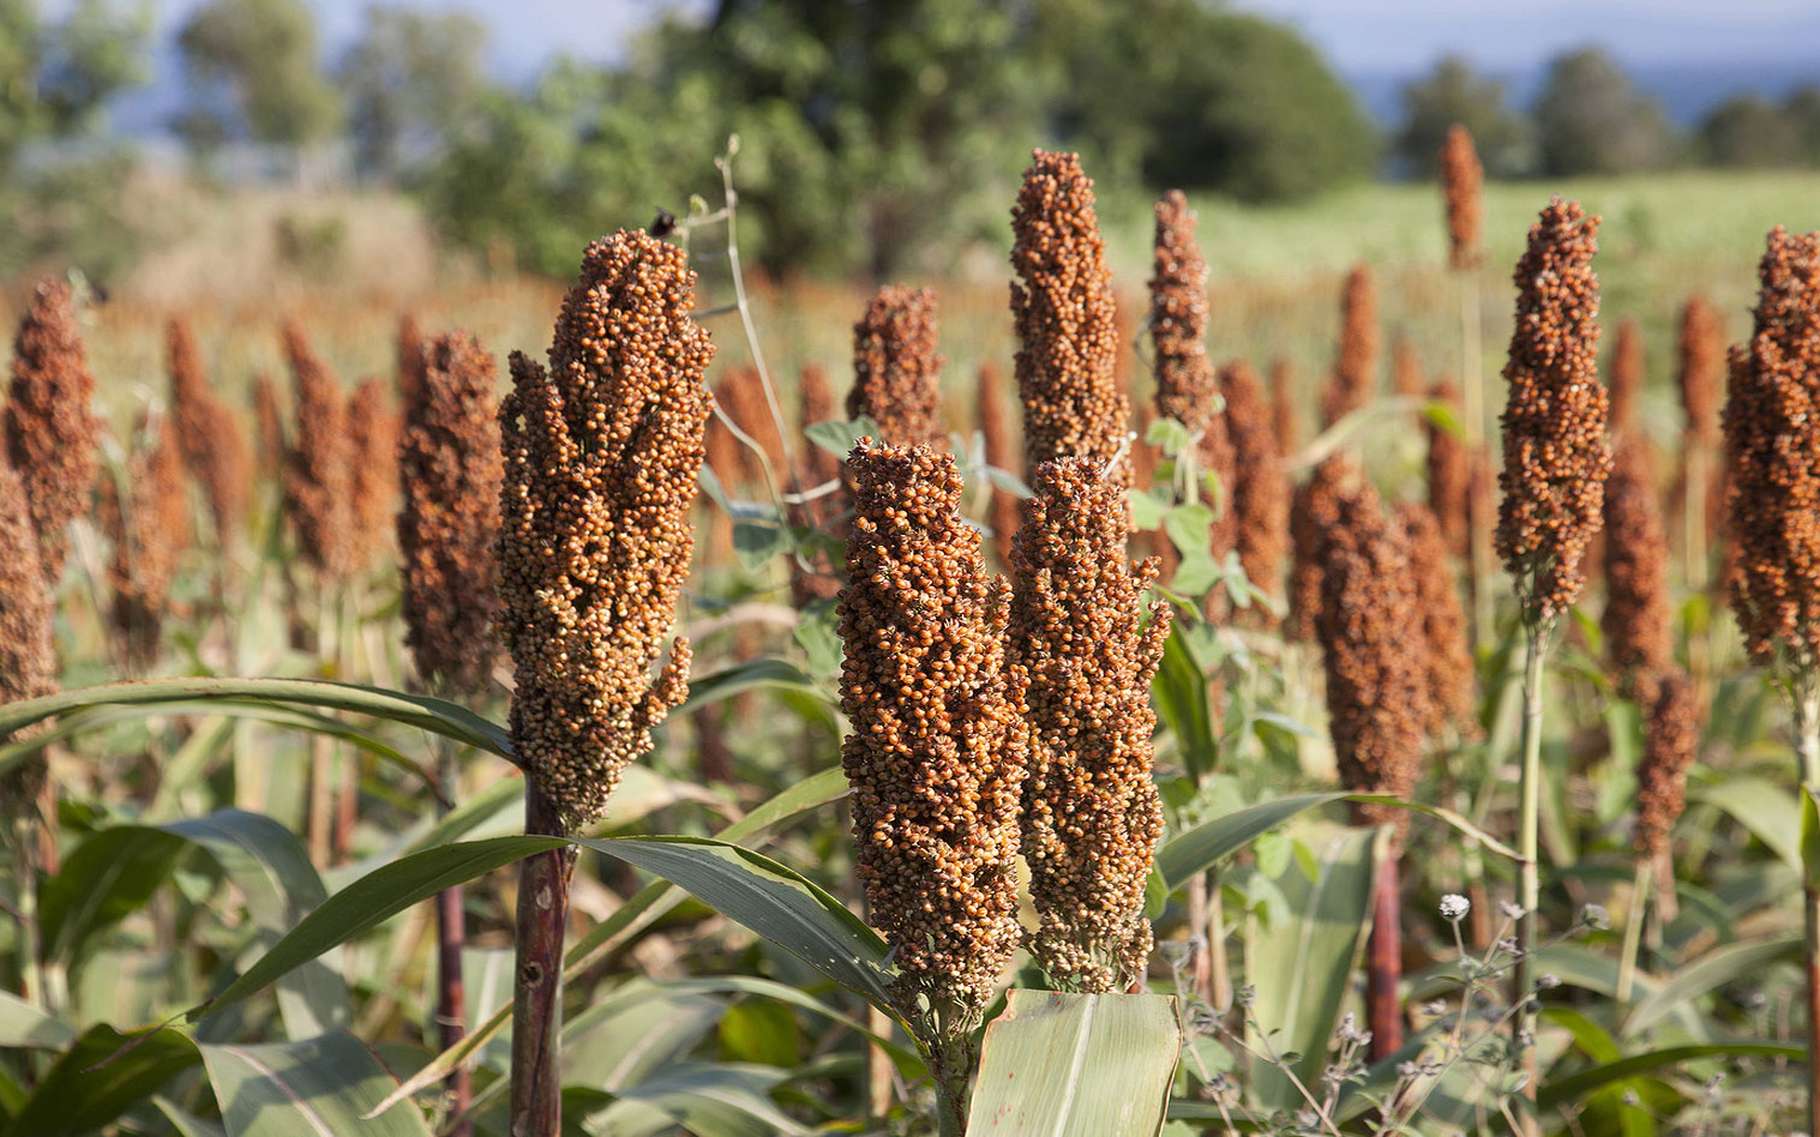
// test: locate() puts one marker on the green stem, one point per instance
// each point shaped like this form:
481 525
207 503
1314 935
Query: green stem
1529 869
25 838
1805 691
1633 928
952 1065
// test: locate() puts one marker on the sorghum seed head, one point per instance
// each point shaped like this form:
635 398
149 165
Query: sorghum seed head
1671 738
51 433
1461 179
1066 319
1449 472
318 468
410 361
1185 383
820 580
1772 439
1637 615
214 449
1259 492
1084 662
896 369
1377 697
1627 377
1001 452
1313 509
602 452
150 525
1406 369
1355 370
1700 356
742 396
28 654
268 420
1446 657
935 747
373 431
450 470
1556 454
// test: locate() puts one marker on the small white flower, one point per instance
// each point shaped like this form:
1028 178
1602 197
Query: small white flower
1454 907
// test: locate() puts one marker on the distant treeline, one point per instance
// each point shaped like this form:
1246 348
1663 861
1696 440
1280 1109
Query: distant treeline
875 136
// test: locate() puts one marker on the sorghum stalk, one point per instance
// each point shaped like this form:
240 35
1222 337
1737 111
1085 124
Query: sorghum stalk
602 451
1556 458
1066 319
450 471
935 752
1773 449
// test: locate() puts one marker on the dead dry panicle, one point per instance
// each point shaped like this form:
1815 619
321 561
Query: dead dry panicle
1556 454
1066 318
1083 661
896 370
450 472
935 749
602 451
1772 436
51 432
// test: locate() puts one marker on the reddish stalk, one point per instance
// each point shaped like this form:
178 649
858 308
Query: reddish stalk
543 908
1384 974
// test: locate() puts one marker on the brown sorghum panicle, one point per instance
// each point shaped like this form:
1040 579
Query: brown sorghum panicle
1556 454
935 750
815 403
1083 663
602 451
214 448
1638 638
746 403
1260 489
1772 439
1700 356
820 580
1377 695
151 526
28 653
318 473
896 369
1355 369
449 472
1461 179
1001 452
1185 384
1283 416
1627 378
1671 740
1406 369
51 433
373 430
1066 319
1449 471
268 421
1446 657
410 361
1312 511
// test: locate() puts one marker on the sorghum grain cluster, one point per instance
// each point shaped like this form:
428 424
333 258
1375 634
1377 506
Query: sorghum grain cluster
1637 615
896 369
1671 738
51 433
150 525
1355 370
373 430
318 468
1259 500
1700 371
1446 658
214 448
1185 383
1461 181
1627 377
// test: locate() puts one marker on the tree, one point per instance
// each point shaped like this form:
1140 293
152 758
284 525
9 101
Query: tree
1590 119
55 77
253 71
409 80
1803 110
1453 93
1750 131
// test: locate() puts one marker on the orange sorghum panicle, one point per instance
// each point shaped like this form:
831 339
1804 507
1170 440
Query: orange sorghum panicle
1671 740
1556 454
410 362
602 451
150 531
1405 369
1461 179
1312 510
449 475
28 652
1449 472
1259 499
318 474
1447 657
1066 319
1700 355
1627 377
1638 638
896 369
51 433
1283 416
214 448
373 430
1185 383
935 748
268 421
1772 438
1355 369
1083 663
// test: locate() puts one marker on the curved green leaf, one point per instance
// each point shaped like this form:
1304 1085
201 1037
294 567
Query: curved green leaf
25 1026
314 1088
1712 970
1766 809
102 1076
1056 1063
437 716
1180 690
725 684
1574 1087
1204 846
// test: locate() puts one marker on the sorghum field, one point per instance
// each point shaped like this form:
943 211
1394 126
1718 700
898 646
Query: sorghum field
1270 670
